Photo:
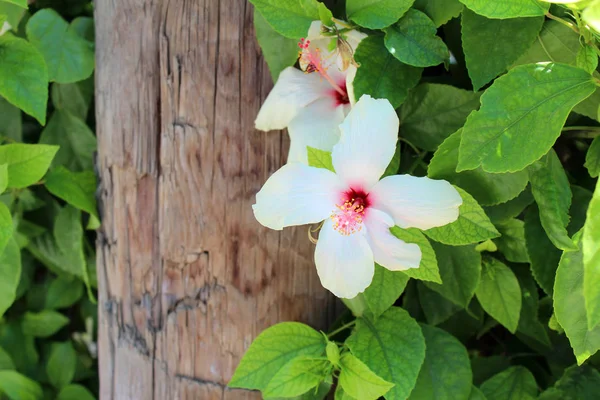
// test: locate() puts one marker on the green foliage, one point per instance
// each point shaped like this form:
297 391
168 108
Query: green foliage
384 290
515 383
446 371
506 39
413 41
428 268
472 225
529 100
359 381
499 293
376 14
392 347
507 8
287 17
298 376
44 251
274 348
24 75
279 52
380 74
69 57
590 243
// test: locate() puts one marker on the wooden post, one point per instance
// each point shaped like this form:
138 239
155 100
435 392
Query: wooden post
187 277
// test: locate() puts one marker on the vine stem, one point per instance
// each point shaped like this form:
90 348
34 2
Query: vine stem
582 132
341 328
562 21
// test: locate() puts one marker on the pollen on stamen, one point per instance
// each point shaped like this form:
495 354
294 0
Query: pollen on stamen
348 219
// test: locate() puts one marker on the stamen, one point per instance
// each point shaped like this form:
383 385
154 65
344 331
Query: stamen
349 217
314 62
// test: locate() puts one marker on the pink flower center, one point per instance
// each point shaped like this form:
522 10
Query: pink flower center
349 216
314 63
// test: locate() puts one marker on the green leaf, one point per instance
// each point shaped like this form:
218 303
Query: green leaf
76 140
558 43
319 158
529 321
386 287
359 381
75 392
18 387
591 260
486 188
325 15
75 98
446 372
341 395
6 227
432 112
499 293
552 193
27 163
43 324
10 273
76 188
61 364
5 361
376 14
68 234
579 206
515 383
69 57
279 51
63 293
587 59
576 383
20 3
437 309
428 268
507 8
569 304
13 14
413 40
472 225
45 249
543 255
286 17
529 101
380 74
512 242
3 177
492 45
592 158
440 11
24 75
476 394
297 377
511 209
393 347
460 270
84 27
333 353
272 349
10 121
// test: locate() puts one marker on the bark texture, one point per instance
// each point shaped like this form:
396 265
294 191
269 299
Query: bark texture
187 277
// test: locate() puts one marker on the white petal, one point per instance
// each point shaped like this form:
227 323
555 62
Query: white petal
344 263
367 143
296 195
350 75
415 202
316 125
389 251
353 38
293 90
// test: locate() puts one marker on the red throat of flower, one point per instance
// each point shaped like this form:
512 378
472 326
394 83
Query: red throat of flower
350 214
314 63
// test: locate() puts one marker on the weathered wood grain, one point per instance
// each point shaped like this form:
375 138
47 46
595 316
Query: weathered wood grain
187 277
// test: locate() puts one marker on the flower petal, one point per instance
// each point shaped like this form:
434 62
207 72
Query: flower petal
293 90
415 202
367 143
316 125
296 195
389 251
344 263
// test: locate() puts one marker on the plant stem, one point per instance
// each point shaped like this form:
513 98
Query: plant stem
582 132
562 21
342 328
